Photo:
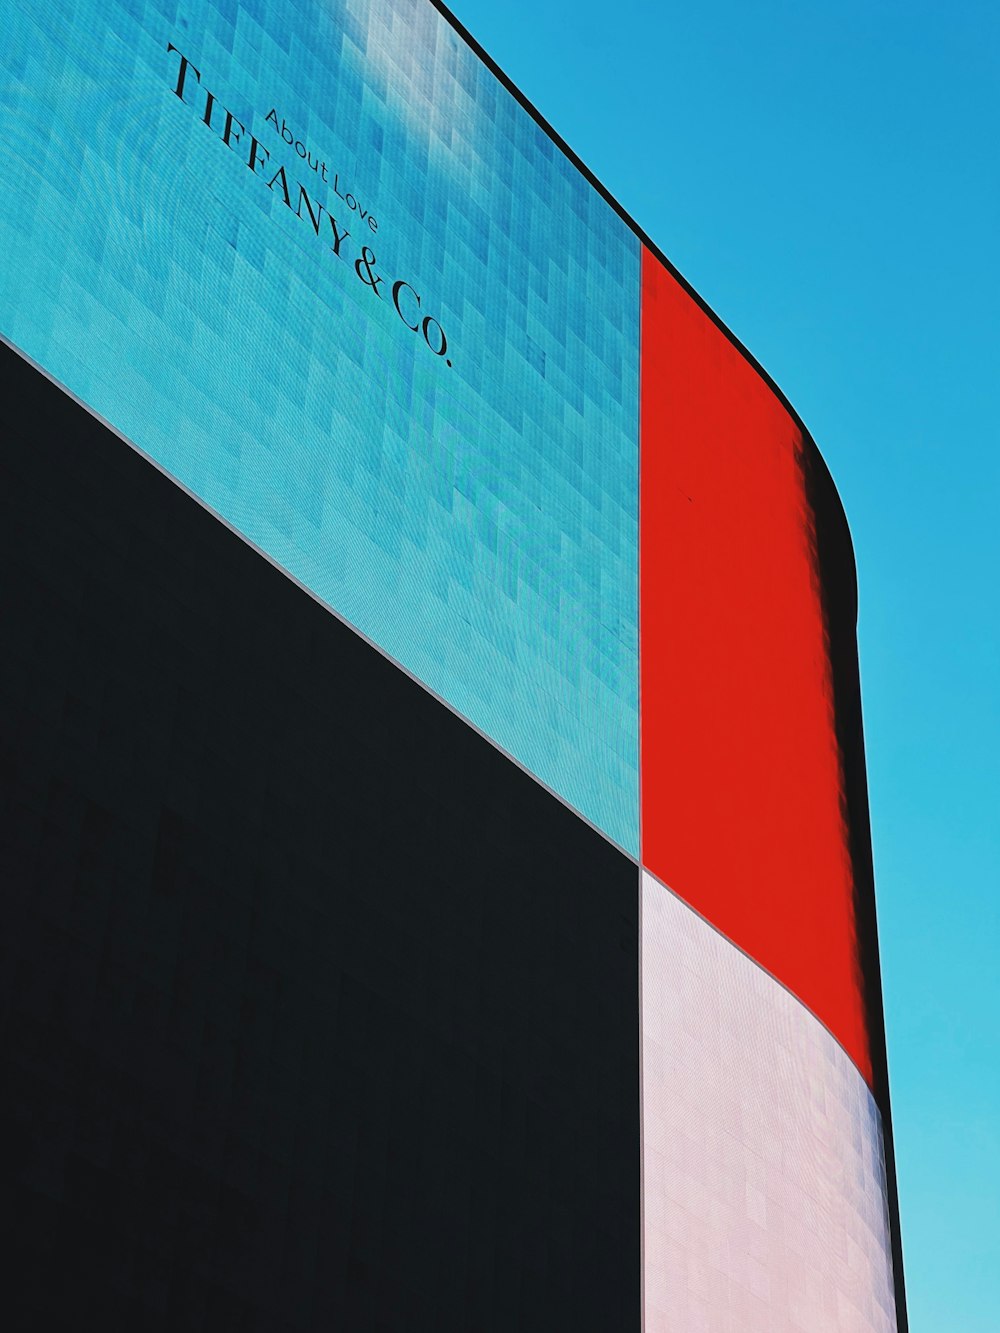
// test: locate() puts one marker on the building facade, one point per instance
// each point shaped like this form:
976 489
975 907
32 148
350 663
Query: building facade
436 837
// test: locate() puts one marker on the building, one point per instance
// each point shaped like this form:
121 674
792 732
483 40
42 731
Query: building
439 887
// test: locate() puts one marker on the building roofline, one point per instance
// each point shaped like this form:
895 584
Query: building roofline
644 237
827 496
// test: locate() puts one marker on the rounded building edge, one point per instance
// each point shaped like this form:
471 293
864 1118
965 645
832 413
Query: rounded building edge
835 546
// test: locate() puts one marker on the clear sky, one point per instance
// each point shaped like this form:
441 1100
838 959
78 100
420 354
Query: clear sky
826 175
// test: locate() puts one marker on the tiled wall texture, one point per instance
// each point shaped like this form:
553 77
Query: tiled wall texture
322 268
764 1188
478 521
299 986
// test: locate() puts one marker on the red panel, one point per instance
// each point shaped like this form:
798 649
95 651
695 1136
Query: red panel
742 811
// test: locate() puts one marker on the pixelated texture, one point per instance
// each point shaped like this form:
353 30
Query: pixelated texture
478 521
296 1034
753 810
764 1185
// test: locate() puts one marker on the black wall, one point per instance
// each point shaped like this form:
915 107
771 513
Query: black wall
317 1013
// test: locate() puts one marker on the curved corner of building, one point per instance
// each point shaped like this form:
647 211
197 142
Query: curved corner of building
755 814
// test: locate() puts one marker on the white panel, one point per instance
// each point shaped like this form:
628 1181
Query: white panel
764 1194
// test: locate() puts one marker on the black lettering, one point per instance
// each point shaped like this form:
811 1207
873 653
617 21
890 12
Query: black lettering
313 217
227 132
258 153
338 235
185 66
397 287
425 328
367 259
280 175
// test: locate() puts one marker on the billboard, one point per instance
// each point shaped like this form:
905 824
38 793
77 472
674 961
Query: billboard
321 267
324 268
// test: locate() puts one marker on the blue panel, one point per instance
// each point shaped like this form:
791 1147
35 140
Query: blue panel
477 519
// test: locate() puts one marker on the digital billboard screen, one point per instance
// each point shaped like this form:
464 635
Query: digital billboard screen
327 270
321 266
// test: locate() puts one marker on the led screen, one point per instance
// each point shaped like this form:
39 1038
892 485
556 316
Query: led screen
764 1183
325 270
329 273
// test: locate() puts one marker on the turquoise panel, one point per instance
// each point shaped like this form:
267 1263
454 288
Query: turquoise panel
464 491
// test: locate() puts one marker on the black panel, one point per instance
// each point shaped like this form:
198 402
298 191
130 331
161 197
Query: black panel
317 1012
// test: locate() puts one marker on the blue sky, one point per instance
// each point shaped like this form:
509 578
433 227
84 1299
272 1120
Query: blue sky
827 177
